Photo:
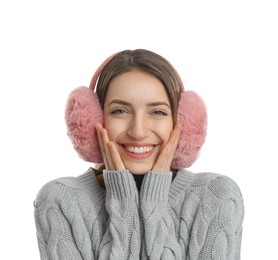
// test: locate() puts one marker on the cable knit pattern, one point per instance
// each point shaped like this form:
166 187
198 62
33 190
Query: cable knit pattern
193 217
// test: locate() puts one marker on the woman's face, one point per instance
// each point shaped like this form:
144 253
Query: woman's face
138 118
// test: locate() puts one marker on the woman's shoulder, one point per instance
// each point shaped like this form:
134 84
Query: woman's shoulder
214 194
66 188
222 186
217 187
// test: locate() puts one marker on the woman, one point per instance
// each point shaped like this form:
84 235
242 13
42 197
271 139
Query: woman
141 203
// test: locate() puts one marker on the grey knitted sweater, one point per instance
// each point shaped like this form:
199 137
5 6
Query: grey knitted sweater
194 216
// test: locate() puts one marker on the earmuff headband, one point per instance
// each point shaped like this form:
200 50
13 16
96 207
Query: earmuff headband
83 112
94 80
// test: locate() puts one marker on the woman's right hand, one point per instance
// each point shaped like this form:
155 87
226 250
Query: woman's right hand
111 157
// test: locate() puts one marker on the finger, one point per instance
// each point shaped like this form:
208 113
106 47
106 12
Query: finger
175 134
174 140
168 150
161 162
100 142
116 158
103 142
173 144
107 151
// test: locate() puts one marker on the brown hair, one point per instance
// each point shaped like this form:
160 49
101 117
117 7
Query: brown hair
146 61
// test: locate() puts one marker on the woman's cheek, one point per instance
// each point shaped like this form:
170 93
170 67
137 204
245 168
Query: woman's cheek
113 128
164 131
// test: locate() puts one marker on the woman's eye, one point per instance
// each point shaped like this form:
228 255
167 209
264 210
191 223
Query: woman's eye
118 111
160 113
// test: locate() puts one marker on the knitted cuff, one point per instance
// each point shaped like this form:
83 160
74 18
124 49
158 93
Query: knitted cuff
156 187
120 184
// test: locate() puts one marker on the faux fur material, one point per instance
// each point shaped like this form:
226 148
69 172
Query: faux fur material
192 114
83 112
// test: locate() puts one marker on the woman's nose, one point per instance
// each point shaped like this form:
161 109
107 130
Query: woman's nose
138 128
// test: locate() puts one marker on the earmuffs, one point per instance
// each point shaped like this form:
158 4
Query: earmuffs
83 112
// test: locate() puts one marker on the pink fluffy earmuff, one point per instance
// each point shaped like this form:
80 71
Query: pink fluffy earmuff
83 112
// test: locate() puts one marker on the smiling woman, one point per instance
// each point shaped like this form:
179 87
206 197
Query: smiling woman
137 120
142 126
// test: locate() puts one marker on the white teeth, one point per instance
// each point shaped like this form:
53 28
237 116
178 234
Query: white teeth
142 149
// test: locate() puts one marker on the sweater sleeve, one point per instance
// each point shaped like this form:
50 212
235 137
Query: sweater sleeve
71 224
160 241
209 227
54 232
122 238
215 220
224 240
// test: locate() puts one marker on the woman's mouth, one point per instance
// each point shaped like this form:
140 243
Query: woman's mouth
139 151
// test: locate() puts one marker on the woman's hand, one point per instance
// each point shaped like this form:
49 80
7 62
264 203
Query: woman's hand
113 160
168 150
111 157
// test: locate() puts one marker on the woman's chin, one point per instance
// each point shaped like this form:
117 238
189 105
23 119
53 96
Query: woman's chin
139 169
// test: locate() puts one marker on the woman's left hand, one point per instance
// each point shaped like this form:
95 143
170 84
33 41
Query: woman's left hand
168 150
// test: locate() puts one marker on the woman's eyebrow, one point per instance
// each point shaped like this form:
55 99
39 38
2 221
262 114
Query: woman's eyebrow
119 101
158 103
150 104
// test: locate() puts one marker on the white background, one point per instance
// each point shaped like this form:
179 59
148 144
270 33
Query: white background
227 51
